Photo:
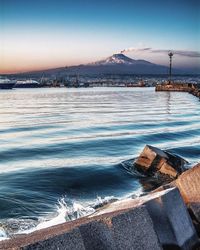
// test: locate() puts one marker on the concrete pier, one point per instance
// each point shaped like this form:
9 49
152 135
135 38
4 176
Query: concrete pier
191 88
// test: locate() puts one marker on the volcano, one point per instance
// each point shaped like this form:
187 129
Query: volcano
121 59
119 64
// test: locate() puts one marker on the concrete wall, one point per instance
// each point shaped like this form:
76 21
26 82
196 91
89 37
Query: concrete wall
193 89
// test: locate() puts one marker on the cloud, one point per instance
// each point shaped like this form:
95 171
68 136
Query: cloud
186 53
134 49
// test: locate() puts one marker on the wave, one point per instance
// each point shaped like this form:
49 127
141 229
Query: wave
66 210
3 235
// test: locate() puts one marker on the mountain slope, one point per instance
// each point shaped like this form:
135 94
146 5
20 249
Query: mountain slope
119 59
115 59
119 64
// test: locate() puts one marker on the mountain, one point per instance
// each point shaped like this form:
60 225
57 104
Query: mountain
115 64
119 59
119 64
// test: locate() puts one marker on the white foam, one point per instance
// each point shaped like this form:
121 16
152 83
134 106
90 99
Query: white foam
78 211
67 212
64 213
3 235
60 217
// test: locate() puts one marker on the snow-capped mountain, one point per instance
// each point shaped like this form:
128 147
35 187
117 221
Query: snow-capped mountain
115 59
120 64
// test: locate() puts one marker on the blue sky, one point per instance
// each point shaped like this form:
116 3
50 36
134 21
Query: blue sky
51 33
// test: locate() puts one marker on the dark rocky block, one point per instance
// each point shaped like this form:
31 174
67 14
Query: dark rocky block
153 161
169 214
134 230
189 185
172 221
97 235
127 229
67 241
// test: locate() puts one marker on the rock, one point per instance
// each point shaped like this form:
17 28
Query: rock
129 229
66 241
169 214
97 235
153 161
189 185
134 230
172 222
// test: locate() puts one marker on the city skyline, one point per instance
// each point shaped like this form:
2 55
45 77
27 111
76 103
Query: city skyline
47 34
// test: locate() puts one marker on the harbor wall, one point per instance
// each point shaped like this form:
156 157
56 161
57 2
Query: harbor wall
191 88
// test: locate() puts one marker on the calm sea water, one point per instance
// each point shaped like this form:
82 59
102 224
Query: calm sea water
65 151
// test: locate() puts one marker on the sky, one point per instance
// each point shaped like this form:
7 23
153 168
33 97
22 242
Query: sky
41 34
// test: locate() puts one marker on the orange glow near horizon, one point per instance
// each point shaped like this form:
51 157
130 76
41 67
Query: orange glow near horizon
25 60
14 67
22 52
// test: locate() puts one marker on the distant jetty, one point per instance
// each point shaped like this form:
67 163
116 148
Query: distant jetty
170 85
192 88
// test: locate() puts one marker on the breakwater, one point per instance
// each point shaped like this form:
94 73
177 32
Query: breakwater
191 88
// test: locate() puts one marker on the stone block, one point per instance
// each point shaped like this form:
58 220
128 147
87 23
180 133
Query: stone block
153 160
166 169
132 229
169 214
97 235
66 241
188 184
172 221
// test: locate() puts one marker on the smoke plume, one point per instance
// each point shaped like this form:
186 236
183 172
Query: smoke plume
186 53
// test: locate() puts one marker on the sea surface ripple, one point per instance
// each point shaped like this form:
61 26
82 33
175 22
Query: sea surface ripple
63 151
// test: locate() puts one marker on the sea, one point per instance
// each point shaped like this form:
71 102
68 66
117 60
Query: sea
66 152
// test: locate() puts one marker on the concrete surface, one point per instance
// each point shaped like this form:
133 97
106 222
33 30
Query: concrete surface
172 221
67 241
169 214
129 229
189 185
